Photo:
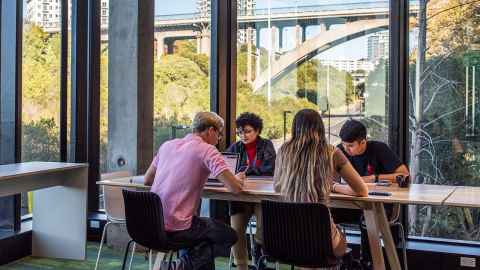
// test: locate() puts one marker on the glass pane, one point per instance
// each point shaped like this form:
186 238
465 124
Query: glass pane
40 86
314 54
6 213
103 87
181 71
104 9
444 111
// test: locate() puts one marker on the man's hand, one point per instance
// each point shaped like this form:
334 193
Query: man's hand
241 177
234 183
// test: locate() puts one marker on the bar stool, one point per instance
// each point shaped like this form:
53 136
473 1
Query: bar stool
114 207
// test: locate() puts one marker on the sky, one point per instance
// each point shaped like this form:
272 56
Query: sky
352 50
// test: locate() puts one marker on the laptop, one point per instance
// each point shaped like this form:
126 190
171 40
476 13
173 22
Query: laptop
233 162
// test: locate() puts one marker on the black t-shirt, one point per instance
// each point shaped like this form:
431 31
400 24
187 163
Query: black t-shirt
377 159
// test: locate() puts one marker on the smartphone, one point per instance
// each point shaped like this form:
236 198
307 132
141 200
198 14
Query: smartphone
383 184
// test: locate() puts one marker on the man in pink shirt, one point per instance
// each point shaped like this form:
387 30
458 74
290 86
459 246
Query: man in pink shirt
178 174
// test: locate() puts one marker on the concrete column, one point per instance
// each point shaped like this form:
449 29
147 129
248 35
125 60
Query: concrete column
274 31
298 35
205 41
160 45
323 27
130 83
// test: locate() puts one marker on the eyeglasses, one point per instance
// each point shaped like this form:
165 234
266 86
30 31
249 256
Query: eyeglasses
244 131
219 133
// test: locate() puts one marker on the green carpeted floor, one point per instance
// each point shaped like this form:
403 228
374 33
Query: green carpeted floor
110 260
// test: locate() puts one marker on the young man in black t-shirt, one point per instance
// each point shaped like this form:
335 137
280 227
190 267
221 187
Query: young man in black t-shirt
374 161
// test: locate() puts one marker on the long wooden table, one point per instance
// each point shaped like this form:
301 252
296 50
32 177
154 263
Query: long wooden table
377 223
468 197
59 227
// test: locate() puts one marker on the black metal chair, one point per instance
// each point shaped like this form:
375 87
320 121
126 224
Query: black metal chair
298 234
144 218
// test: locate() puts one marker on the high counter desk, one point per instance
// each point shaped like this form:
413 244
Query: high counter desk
59 226
256 190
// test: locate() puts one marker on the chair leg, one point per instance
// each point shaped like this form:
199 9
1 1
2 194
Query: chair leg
170 260
150 259
277 266
404 245
252 241
230 260
260 260
101 244
131 256
126 254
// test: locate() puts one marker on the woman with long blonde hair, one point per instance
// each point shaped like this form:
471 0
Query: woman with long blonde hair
306 166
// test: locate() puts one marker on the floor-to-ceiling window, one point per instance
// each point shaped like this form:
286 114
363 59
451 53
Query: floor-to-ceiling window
181 66
41 49
330 56
444 115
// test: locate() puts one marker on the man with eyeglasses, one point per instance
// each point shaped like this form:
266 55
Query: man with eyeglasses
178 174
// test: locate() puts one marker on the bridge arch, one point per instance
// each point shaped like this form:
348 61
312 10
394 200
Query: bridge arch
316 45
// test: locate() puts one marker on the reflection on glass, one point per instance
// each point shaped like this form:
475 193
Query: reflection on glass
313 54
444 111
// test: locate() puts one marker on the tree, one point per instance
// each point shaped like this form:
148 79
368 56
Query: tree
440 150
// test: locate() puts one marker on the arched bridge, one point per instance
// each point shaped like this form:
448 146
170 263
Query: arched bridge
320 43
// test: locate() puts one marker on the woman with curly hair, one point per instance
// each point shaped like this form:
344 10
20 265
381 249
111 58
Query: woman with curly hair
257 158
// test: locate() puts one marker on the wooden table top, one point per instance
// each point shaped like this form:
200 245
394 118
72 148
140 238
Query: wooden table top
15 170
464 197
257 189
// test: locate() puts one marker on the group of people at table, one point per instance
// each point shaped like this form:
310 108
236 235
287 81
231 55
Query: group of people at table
305 169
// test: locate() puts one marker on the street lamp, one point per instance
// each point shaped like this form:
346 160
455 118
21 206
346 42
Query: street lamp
324 106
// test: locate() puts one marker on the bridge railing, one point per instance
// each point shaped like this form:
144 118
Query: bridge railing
289 10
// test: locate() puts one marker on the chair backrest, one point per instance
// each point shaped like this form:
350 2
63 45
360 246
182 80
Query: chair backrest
297 233
144 215
112 196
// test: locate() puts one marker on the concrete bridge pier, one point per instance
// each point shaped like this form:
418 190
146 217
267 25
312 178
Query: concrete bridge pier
274 36
160 45
299 35
204 40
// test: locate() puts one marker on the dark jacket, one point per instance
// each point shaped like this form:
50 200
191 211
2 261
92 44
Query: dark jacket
265 154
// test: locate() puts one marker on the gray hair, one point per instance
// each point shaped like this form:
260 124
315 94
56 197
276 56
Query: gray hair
204 120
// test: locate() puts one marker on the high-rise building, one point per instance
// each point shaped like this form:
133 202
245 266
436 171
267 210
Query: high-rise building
204 8
350 65
47 13
244 7
377 45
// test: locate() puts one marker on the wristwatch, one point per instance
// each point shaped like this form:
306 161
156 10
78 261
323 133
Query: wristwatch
376 178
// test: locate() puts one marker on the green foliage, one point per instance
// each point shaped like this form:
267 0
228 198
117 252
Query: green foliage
41 74
41 141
